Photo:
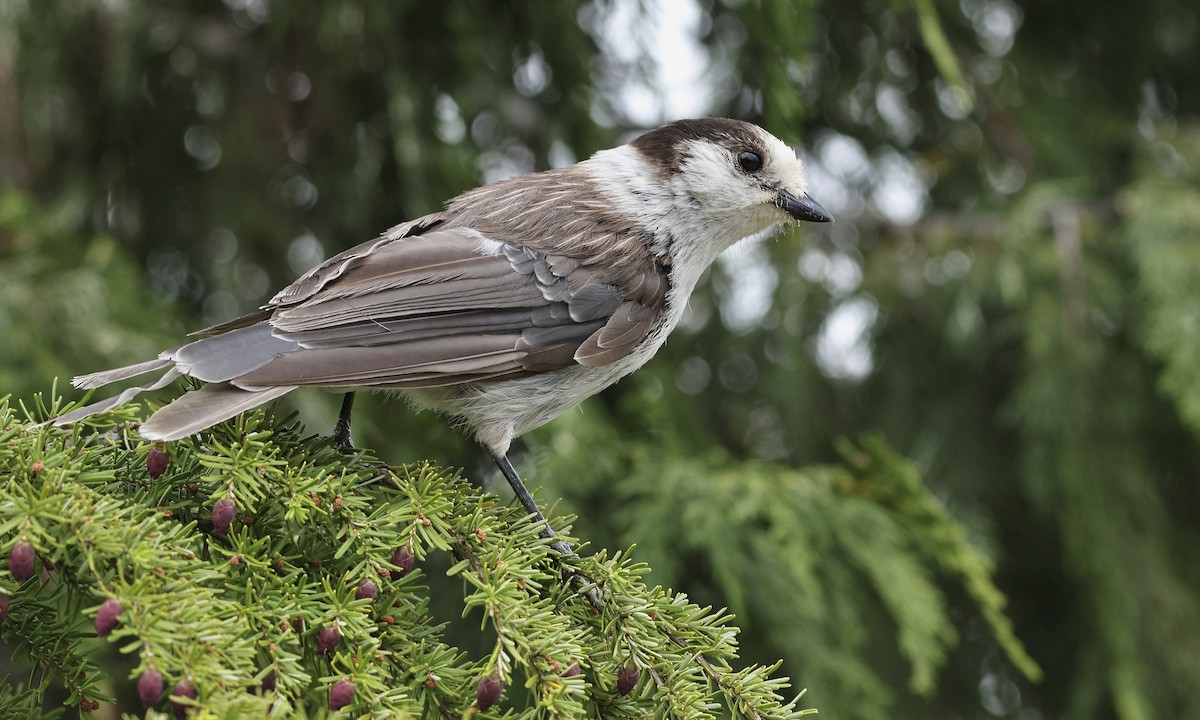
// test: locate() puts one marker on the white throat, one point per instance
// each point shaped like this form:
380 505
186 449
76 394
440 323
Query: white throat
681 229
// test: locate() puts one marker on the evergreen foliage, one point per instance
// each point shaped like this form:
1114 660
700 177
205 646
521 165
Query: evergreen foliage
245 616
808 557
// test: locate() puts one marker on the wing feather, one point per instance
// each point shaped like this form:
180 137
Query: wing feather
359 365
623 331
441 307
199 409
323 274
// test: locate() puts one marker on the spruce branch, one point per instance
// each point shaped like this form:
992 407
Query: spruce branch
269 572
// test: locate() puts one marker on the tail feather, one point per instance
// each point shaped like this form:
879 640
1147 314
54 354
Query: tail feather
224 357
214 360
203 408
102 405
104 377
238 322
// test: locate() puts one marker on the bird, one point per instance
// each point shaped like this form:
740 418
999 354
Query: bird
513 304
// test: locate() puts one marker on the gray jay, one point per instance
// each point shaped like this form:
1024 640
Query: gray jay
513 304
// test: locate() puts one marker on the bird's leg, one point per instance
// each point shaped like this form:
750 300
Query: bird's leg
341 430
514 480
562 547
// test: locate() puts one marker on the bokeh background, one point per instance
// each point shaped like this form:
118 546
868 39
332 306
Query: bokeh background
1010 296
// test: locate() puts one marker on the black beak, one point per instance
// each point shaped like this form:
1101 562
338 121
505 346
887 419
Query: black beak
803 207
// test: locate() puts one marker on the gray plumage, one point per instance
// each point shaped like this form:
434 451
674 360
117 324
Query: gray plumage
107 377
231 355
514 303
196 410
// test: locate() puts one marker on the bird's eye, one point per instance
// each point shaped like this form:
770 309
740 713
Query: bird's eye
749 161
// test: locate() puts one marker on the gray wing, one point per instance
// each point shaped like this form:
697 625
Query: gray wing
406 311
443 307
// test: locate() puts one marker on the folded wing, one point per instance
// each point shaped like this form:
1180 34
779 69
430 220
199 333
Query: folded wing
444 307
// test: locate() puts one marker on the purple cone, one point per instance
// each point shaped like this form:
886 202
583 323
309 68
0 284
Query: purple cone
106 616
223 514
20 561
341 694
150 687
156 462
488 692
327 639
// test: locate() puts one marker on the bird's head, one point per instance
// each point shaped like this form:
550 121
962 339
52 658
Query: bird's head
730 172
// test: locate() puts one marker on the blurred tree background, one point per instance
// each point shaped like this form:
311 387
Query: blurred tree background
1009 296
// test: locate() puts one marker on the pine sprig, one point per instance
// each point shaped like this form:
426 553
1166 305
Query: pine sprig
265 569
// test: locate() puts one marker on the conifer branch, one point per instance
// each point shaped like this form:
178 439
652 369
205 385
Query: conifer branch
265 569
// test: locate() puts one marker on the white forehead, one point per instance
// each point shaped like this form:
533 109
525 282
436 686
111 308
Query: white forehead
788 168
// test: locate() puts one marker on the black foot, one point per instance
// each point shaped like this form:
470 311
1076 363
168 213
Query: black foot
341 429
562 547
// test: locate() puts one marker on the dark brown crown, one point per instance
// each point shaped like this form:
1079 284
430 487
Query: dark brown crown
667 146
